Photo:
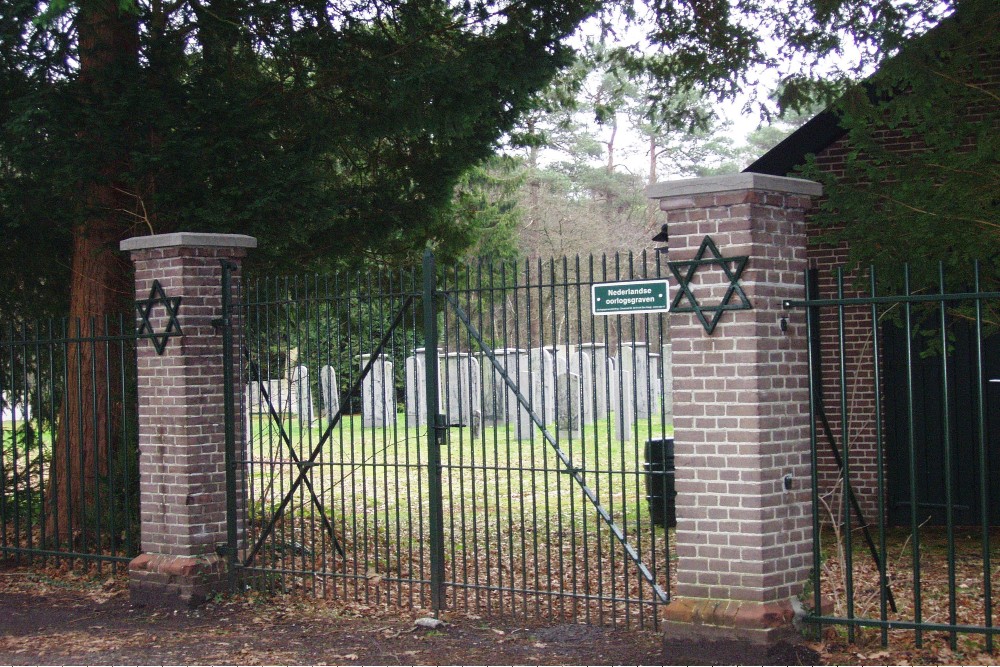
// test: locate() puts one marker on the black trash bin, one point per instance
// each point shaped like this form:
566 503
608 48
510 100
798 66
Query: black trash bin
660 491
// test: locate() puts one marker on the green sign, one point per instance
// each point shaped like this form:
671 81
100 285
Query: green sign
636 296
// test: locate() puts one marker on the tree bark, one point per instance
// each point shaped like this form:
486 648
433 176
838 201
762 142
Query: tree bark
100 290
611 146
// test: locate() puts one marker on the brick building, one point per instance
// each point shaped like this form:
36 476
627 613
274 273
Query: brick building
825 138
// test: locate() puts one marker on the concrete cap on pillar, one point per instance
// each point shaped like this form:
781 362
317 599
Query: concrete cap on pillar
188 239
728 182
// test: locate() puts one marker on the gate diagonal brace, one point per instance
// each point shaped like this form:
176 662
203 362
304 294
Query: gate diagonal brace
301 478
570 469
302 466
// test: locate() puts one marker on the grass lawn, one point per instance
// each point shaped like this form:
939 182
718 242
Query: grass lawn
519 533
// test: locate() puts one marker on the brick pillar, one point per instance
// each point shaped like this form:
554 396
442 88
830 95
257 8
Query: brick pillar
741 414
181 419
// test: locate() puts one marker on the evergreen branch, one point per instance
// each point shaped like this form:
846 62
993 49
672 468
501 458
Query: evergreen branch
978 221
980 88
144 216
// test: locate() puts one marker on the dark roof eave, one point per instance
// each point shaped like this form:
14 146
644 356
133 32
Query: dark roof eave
815 135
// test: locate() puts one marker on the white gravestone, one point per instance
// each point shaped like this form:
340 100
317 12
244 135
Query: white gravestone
542 367
560 353
568 417
655 385
564 363
531 389
329 392
623 405
463 400
580 364
415 372
492 387
253 398
504 404
634 359
280 396
415 382
301 394
250 395
599 363
378 400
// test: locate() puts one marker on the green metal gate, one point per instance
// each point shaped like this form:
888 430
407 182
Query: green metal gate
69 483
456 440
876 355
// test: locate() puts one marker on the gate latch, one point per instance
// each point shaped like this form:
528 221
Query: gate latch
441 427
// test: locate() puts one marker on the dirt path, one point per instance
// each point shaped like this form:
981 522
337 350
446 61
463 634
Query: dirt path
66 619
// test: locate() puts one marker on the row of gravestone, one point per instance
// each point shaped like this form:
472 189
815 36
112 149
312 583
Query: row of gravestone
565 386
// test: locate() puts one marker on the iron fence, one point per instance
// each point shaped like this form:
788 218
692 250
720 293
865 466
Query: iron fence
905 397
459 439
69 465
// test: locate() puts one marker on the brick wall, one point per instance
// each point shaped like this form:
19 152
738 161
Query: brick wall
858 351
181 408
182 461
741 396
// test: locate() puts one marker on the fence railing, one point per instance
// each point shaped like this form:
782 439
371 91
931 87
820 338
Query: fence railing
905 392
69 465
337 370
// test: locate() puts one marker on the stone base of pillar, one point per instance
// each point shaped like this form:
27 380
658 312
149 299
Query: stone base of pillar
761 623
156 580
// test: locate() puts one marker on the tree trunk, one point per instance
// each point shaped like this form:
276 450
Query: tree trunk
611 146
100 291
652 206
651 179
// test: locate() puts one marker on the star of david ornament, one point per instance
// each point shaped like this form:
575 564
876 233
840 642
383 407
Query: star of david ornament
733 268
145 307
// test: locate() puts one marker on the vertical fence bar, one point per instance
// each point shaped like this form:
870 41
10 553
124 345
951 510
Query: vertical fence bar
229 418
14 458
506 407
67 429
434 423
584 427
570 406
109 434
96 396
466 394
81 434
544 369
879 464
41 418
946 433
984 490
911 448
845 438
814 398
5 350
